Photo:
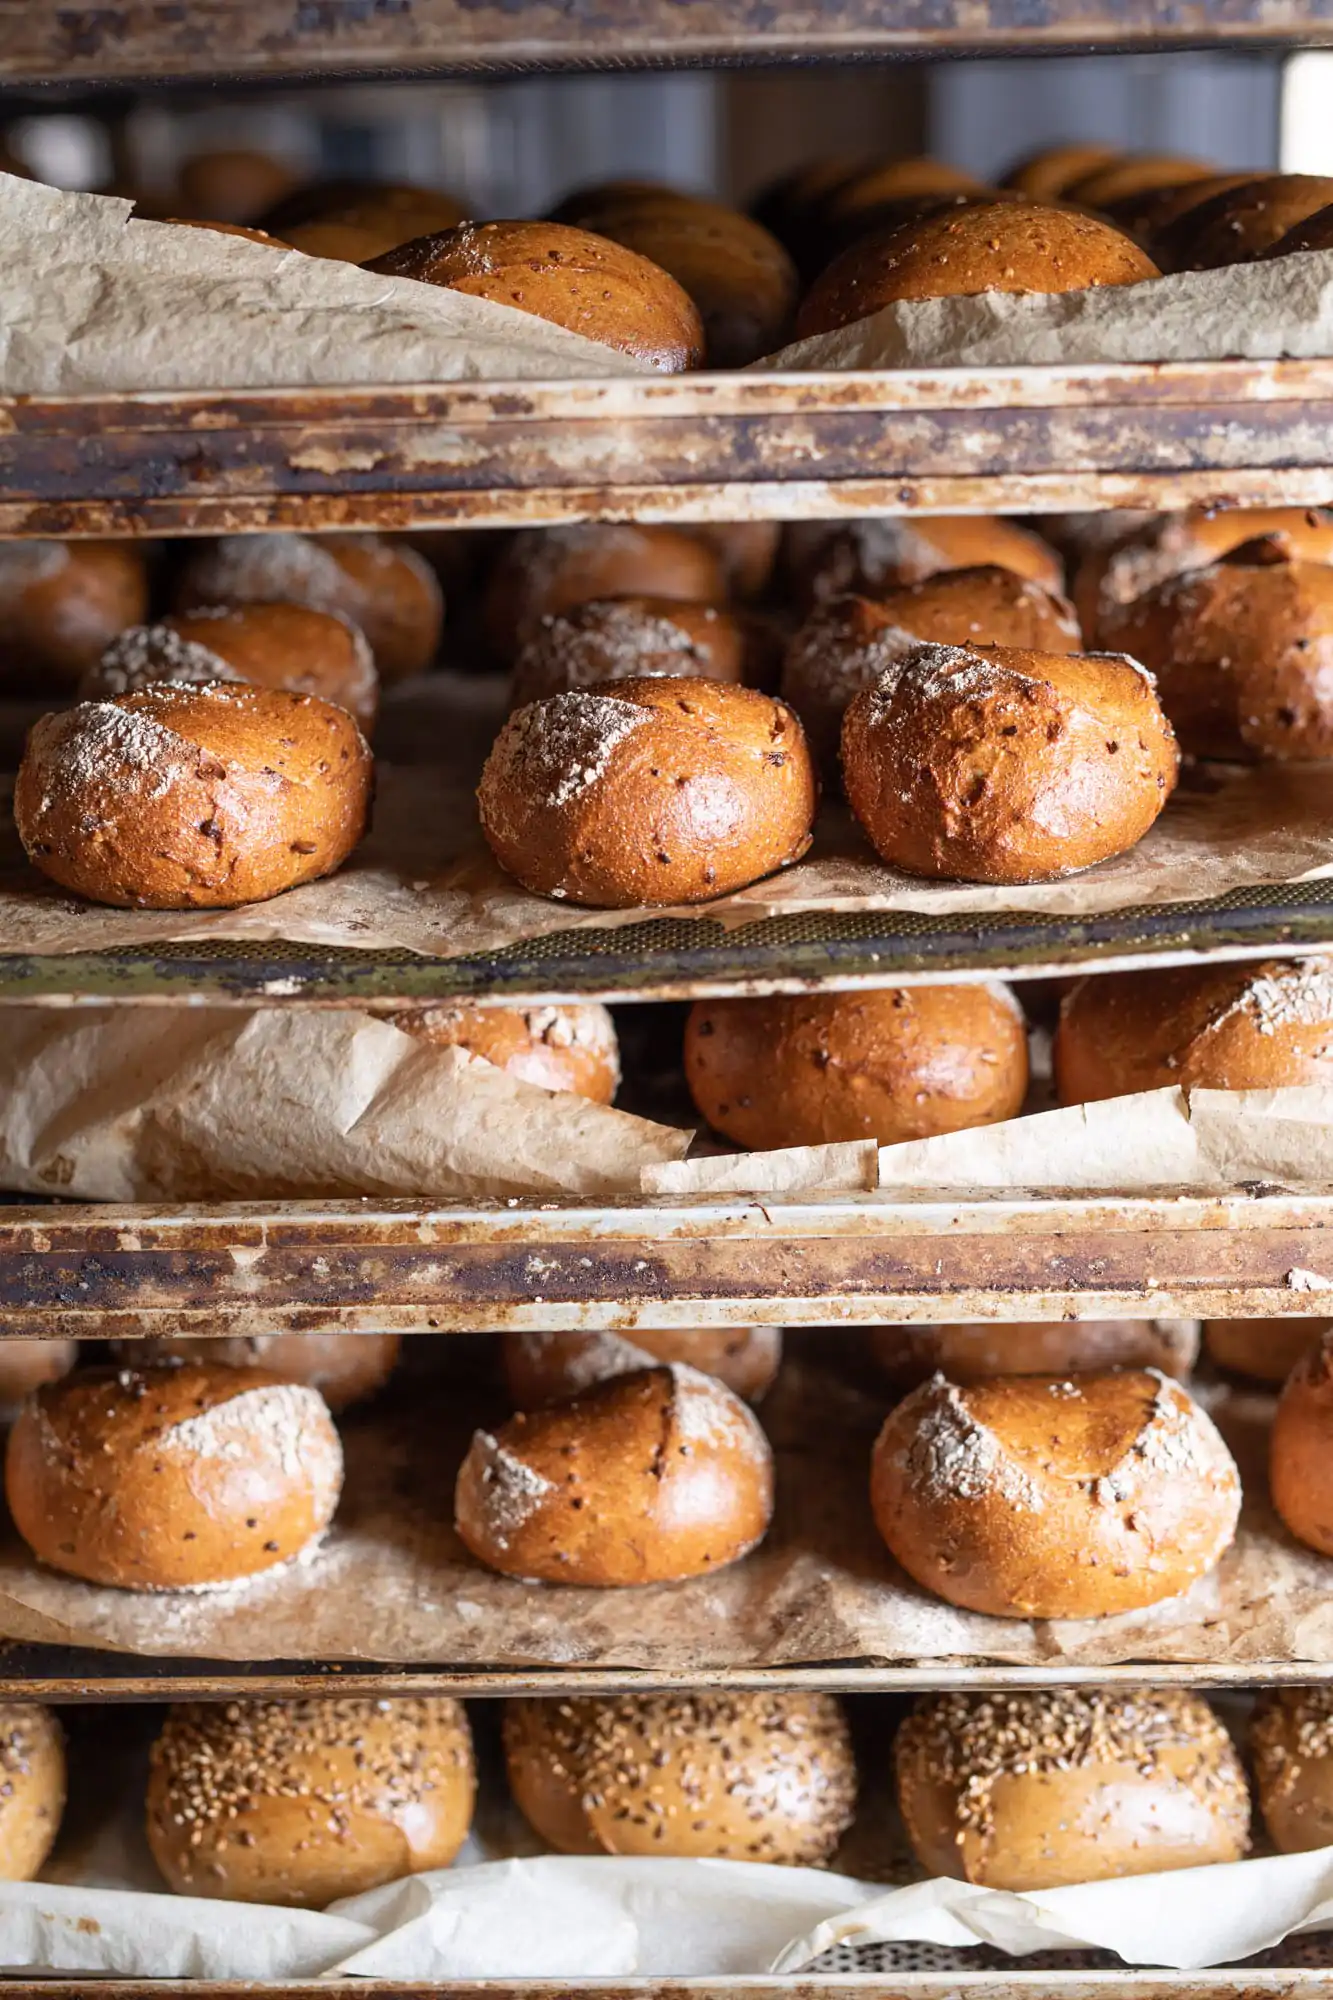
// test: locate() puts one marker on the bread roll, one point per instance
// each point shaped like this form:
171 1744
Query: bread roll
61 605
977 1352
1243 654
267 645
615 638
228 229
26 1364
1164 220
298 1803
549 1367
189 798
1166 545
1204 1027
366 203
794 207
747 550
558 1048
1300 1452
740 1777
385 587
1291 1749
543 572
984 246
1041 1496
995 764
1238 224
1315 233
650 791
1040 1788
1047 174
645 1478
568 276
234 183
1134 174
857 204
847 642
874 557
344 1367
900 1062
1265 1349
32 1787
172 1477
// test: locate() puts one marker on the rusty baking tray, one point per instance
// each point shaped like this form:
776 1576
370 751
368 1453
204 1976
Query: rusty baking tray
1294 1979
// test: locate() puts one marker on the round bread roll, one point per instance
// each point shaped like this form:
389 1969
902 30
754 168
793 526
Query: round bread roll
1239 223
356 227
385 587
267 645
648 791
741 1777
858 202
995 764
568 276
61 605
984 246
550 1367
1131 174
1265 1349
977 1352
1300 1452
345 1368
1040 1788
1166 545
1204 1027
192 798
363 203
748 551
570 1048
1315 233
645 1478
543 572
902 1062
618 638
1243 654
234 184
301 1802
1164 219
32 1787
1049 173
1046 1496
848 642
874 557
1291 1750
26 1364
174 1477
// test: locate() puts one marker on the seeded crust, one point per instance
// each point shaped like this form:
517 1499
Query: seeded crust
558 1048
1167 545
907 1355
301 1802
1046 1497
32 1787
1038 1789
1298 1450
1291 1748
550 1366
544 573
741 1777
620 638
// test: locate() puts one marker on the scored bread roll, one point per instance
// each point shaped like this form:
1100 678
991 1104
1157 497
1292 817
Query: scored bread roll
1291 1750
178 798
644 1478
289 646
1166 545
542 572
61 605
1224 1027
548 1367
1265 1349
1239 223
172 1477
26 1364
344 1367
648 791
742 1777
297 1803
1039 1496
1047 174
32 1787
874 557
1300 1449
996 764
558 1048
906 1355
903 1062
621 638
1039 1788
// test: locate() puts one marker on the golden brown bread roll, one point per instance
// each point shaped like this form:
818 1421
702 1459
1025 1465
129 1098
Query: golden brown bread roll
741 1777
172 1477
994 764
1043 1496
1166 545
383 586
61 605
288 646
1164 219
1300 1448
181 798
1238 224
26 1364
747 550
576 280
644 1478
344 1367
558 1048
1131 174
1038 1788
32 1787
1047 174
234 184
976 1352
548 1367
365 203
858 201
900 1062
543 572
648 791
983 246
1291 1749
298 1803
873 557
847 642
1205 1027
1265 1349
794 207
619 638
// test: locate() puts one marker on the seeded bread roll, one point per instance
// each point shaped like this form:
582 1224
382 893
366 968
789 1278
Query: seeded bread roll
344 1367
1040 1788
648 791
1300 1454
32 1787
61 605
1134 174
1046 175
301 1802
26 1364
1265 1349
1238 224
875 557
1166 545
576 280
847 642
967 1353
995 764
174 1477
549 1367
267 645
558 1048
383 586
1207 1027
1291 1750
617 638
191 798
645 1478
1040 1496
902 1062
740 1777
543 572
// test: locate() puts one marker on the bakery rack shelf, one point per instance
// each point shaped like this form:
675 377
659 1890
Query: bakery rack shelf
1264 1984
723 447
